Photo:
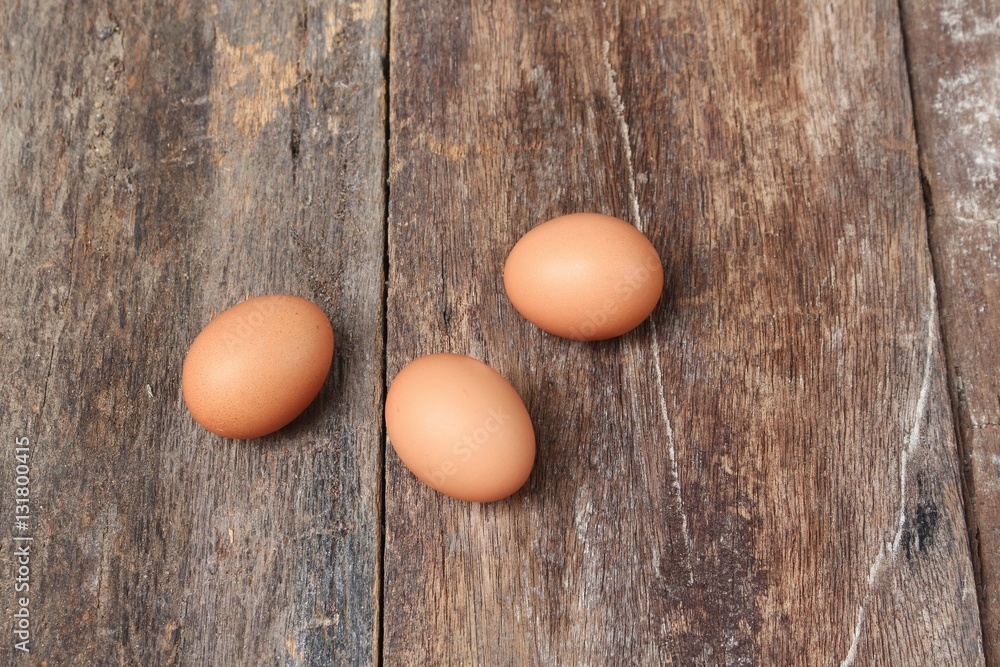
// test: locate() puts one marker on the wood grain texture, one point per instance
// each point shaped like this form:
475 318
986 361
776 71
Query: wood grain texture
953 49
160 162
764 473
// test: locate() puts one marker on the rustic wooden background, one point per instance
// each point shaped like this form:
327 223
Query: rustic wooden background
795 461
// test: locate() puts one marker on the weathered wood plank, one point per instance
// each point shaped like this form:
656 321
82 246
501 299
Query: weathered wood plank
954 57
160 162
765 473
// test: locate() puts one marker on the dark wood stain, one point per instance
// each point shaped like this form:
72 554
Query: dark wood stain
921 529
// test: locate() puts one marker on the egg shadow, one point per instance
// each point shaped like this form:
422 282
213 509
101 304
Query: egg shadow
564 459
323 419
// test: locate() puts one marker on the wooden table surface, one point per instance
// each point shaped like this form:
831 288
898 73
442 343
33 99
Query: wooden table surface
795 461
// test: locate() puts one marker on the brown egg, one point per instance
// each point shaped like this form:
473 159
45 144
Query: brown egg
460 427
257 366
584 276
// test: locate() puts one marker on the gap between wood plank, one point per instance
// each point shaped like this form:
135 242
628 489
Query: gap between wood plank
380 546
927 196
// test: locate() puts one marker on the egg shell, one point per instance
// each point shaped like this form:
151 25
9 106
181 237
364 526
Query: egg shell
460 427
257 366
584 276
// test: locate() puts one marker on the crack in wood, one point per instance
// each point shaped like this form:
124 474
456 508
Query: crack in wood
623 128
879 564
